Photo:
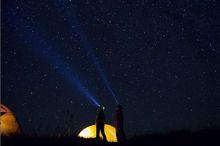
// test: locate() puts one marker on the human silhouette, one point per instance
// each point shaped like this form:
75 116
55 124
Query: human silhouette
119 124
100 122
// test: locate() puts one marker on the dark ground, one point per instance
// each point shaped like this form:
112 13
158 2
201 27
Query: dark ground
208 137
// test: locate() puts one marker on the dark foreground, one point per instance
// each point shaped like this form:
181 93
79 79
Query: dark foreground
181 138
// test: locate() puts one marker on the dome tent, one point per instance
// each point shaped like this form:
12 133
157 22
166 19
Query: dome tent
90 132
8 123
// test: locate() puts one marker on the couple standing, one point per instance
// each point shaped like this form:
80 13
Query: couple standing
119 123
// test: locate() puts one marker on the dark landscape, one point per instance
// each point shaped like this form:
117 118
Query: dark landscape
179 138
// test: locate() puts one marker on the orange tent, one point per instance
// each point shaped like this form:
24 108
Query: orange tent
90 132
8 123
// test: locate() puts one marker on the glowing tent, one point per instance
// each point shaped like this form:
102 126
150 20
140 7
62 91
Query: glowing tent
8 123
90 132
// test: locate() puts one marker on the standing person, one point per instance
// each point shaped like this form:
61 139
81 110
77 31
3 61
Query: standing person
119 124
100 123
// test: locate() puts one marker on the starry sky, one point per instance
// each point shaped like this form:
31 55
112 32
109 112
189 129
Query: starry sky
159 58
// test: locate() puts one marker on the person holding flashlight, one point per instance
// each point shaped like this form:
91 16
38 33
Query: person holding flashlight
119 124
100 123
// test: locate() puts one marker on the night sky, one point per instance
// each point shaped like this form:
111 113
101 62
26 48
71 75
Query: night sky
160 59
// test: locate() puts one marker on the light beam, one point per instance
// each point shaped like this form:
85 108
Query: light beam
47 53
86 45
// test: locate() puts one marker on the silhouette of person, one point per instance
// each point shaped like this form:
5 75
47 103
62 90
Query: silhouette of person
119 124
100 123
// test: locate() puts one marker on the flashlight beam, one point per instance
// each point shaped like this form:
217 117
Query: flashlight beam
86 45
47 53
